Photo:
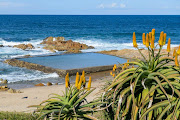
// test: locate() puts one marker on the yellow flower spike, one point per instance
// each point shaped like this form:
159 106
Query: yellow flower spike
150 37
178 51
115 66
152 42
114 69
89 84
153 32
161 39
164 39
147 40
80 82
169 45
132 66
113 75
66 82
176 60
134 40
144 38
123 67
77 79
84 79
174 52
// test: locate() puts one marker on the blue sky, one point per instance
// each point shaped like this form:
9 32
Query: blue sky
91 7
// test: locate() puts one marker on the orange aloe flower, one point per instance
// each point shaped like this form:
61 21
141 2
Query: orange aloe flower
147 40
134 40
169 45
144 38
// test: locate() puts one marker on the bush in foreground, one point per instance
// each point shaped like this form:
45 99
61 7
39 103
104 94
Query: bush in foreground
151 91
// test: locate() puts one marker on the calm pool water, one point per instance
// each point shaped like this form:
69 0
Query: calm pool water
73 61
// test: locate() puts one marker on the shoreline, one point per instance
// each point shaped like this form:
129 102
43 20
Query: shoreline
33 96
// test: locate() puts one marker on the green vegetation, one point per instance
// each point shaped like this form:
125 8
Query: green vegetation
72 105
17 116
149 92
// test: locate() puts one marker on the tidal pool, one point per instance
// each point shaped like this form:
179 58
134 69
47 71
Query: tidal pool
74 61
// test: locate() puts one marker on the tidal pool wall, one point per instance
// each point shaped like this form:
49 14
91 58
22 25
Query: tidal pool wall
72 63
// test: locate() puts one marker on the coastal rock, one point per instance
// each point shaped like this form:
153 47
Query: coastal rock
40 84
4 88
49 83
58 43
24 46
3 81
73 51
1 46
14 91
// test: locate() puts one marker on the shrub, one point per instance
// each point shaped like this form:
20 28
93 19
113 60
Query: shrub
70 106
151 91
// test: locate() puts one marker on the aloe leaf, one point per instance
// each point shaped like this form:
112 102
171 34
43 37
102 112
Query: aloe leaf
155 106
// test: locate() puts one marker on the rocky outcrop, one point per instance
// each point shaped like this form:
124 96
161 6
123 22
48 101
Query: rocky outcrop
1 46
40 84
14 91
4 88
58 43
49 83
24 46
3 81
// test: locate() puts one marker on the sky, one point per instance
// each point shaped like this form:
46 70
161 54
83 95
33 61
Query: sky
91 7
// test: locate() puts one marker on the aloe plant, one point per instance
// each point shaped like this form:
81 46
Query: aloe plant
72 105
151 90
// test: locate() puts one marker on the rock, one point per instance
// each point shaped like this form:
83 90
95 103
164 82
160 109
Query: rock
3 88
24 46
27 56
73 51
59 43
40 84
1 46
56 83
49 83
25 97
4 81
14 91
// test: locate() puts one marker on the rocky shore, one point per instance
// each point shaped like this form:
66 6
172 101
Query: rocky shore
54 44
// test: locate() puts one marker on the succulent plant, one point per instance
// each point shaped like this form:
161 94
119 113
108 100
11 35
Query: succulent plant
151 90
72 105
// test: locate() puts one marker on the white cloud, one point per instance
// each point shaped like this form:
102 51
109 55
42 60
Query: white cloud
11 4
112 5
122 5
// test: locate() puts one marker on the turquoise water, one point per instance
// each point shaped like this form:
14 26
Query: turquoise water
73 61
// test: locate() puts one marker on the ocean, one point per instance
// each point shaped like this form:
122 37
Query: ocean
104 32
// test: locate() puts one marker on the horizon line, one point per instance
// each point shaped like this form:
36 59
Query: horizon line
84 14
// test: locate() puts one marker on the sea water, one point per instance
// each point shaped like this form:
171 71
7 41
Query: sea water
104 32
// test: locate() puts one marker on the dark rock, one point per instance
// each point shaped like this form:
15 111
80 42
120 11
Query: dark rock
1 46
49 83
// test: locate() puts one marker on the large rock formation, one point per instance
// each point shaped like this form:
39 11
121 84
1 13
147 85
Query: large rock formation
59 44
24 46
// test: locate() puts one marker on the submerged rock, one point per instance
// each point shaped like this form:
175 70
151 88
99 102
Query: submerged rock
58 43
1 46
24 46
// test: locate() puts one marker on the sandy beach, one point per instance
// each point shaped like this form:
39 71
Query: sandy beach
19 102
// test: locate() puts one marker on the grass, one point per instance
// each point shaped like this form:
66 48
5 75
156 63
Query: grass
17 116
